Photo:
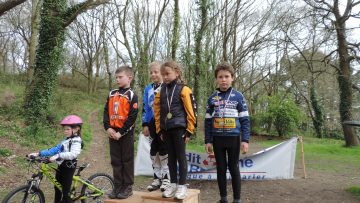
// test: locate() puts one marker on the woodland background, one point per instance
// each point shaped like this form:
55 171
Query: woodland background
296 62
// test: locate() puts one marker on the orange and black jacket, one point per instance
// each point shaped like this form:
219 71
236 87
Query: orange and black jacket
120 110
183 108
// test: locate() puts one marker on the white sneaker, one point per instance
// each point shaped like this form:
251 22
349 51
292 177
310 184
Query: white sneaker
165 184
154 185
181 192
170 191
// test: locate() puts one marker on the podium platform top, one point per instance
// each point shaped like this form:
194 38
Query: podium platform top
156 196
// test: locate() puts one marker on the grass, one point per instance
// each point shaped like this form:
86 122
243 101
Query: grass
355 190
5 152
66 101
327 155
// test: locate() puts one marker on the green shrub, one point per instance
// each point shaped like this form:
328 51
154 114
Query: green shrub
5 152
355 190
283 114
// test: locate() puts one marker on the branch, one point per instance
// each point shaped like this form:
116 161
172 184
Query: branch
7 5
71 13
355 87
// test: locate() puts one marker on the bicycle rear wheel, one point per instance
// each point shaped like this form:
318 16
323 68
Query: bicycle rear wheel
22 194
101 181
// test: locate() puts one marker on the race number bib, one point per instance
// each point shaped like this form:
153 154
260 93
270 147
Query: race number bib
224 123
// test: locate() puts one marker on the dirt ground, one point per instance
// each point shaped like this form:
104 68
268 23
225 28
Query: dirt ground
318 187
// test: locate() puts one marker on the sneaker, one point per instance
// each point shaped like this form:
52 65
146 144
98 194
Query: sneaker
165 184
181 192
154 185
170 191
127 192
117 189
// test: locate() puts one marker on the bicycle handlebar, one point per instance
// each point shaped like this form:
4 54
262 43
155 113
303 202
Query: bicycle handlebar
34 159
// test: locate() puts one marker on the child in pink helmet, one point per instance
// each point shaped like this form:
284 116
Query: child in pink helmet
65 154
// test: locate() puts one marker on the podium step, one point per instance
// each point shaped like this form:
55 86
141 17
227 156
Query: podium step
193 196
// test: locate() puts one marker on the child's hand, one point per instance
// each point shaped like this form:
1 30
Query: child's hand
34 154
111 133
53 158
186 138
146 131
117 136
161 136
244 147
209 148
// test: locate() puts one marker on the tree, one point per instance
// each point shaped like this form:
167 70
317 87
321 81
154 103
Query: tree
334 20
7 5
55 17
175 34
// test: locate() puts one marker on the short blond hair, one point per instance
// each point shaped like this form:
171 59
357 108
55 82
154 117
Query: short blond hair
154 64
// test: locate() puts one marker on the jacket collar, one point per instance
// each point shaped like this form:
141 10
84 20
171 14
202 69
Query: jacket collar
228 90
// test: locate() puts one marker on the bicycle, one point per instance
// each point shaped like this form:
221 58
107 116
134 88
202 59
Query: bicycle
94 189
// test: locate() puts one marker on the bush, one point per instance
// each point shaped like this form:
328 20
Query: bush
283 114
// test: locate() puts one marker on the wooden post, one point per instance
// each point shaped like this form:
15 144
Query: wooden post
302 155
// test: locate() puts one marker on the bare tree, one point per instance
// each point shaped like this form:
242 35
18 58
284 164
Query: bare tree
334 20
8 5
139 26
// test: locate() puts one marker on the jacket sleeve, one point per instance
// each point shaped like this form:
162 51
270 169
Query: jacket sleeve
157 112
146 109
244 120
186 97
52 151
106 119
130 121
74 151
208 122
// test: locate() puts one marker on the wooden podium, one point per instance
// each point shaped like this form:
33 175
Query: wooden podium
193 196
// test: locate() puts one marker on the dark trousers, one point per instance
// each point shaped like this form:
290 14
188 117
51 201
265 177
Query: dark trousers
157 145
227 150
176 154
122 159
64 176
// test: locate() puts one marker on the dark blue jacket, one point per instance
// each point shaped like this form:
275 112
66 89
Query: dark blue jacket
231 119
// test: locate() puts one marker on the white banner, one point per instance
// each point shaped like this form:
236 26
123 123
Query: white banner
276 162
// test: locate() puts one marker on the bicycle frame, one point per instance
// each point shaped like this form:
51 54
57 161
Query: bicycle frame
47 170
97 192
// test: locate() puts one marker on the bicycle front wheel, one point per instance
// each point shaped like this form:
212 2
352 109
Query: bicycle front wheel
24 194
101 181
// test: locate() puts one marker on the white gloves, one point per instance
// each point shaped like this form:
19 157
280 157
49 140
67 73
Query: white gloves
53 158
35 154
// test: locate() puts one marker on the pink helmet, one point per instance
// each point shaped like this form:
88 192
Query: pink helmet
72 120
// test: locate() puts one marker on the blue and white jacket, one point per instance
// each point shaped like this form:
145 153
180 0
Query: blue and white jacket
230 119
148 101
68 149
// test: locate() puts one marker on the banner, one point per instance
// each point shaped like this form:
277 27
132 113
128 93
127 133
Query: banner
276 162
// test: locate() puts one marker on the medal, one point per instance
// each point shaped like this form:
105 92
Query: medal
169 115
222 110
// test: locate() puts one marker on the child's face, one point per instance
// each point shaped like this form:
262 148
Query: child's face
224 79
123 80
68 131
155 74
169 74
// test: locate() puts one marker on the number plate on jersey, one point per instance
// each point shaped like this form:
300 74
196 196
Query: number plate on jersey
224 123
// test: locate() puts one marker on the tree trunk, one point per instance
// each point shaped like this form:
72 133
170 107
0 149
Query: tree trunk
55 17
35 21
198 54
344 80
318 120
48 60
175 37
